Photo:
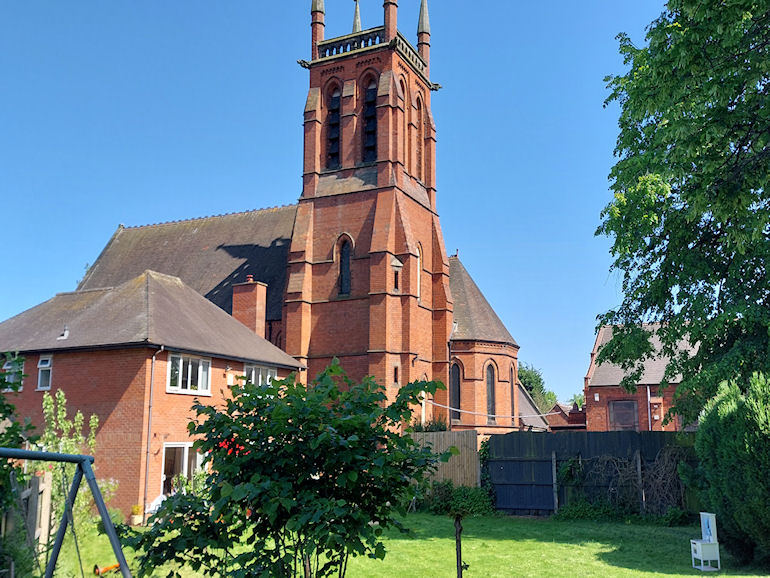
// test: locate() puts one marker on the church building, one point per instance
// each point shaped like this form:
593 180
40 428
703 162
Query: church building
356 269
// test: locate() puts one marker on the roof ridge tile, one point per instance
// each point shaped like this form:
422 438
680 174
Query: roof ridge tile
207 217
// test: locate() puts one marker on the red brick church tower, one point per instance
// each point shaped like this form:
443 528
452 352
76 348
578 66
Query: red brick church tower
368 273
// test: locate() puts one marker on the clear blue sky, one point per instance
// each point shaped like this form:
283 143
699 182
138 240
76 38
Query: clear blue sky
144 111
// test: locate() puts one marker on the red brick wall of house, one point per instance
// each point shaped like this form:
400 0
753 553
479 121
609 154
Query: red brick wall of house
112 385
598 412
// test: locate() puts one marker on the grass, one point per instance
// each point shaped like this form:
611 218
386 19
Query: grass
499 546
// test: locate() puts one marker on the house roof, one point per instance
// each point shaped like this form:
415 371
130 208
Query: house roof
609 374
529 414
207 254
150 309
474 317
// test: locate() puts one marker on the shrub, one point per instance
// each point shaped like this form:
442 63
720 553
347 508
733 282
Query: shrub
437 498
311 475
437 424
733 448
471 502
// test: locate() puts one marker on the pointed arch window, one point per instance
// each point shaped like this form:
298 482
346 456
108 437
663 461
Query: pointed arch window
454 392
333 130
419 123
370 122
346 250
490 393
419 273
405 128
513 397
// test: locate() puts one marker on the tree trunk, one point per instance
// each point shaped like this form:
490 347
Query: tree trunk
458 543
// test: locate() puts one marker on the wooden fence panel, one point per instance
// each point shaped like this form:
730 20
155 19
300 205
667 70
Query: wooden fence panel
462 469
526 480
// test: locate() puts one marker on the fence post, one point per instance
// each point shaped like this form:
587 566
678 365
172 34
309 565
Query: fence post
642 497
555 485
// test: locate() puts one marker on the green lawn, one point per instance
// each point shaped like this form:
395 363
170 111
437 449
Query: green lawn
505 547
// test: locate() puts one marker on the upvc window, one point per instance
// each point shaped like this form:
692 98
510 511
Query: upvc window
179 459
44 371
258 375
188 374
12 370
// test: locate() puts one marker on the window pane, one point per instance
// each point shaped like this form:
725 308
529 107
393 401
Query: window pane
44 379
454 391
490 393
194 374
185 383
174 375
205 366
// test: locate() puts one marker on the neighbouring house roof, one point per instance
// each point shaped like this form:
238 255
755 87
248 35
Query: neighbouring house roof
150 309
475 320
529 414
609 374
207 254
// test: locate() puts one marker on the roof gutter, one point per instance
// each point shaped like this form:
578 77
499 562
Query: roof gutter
149 434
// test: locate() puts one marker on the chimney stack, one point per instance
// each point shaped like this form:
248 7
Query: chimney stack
250 303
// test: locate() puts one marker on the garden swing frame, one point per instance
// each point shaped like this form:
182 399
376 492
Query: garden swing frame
83 469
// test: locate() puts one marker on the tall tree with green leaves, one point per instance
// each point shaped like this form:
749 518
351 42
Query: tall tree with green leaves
532 379
690 218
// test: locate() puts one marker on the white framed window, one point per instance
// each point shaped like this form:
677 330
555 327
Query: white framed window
44 372
259 375
179 459
188 374
12 370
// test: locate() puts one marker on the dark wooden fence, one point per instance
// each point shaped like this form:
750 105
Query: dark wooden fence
536 473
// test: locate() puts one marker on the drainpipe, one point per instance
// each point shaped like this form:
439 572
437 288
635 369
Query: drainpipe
149 435
649 411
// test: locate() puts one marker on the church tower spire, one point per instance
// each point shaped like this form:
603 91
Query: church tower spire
423 33
317 25
357 19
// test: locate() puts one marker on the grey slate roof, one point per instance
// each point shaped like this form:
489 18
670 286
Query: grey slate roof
611 374
529 414
208 254
474 317
150 309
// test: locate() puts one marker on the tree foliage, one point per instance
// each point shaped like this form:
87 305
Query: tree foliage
532 379
67 434
302 477
13 433
690 217
733 448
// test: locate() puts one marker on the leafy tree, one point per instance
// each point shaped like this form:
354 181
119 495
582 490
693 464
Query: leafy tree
303 476
532 379
67 435
579 399
733 448
690 218
13 434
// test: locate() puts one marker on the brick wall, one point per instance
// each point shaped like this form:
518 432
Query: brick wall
598 411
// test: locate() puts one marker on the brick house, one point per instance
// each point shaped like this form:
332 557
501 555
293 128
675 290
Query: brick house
136 355
357 268
610 407
562 417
